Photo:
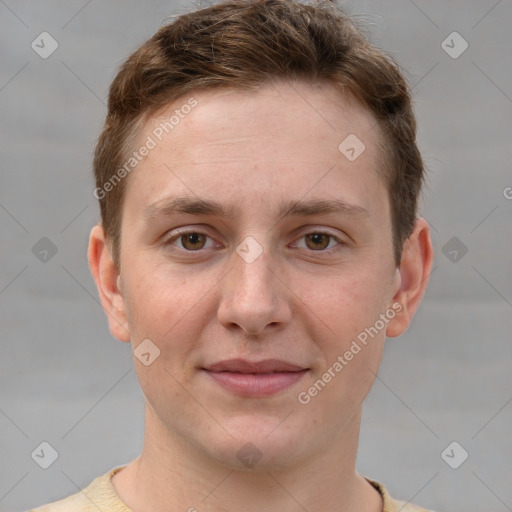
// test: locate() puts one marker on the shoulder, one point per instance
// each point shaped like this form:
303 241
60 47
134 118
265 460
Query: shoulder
404 506
99 494
393 505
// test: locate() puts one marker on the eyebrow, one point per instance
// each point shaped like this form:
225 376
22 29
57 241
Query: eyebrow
196 206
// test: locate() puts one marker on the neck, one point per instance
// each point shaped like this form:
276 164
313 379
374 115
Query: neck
172 475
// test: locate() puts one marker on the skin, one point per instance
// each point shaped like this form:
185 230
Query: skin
302 300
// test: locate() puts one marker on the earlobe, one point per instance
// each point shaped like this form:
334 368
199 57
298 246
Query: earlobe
412 279
108 280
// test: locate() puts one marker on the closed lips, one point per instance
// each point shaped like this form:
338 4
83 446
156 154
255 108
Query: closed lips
267 366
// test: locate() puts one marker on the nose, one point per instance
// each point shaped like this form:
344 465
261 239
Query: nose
254 297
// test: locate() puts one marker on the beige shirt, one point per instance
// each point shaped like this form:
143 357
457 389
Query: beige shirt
101 495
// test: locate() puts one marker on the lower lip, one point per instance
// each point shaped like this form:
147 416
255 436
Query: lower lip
256 385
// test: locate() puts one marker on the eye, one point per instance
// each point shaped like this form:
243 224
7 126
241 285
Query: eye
195 241
319 241
190 240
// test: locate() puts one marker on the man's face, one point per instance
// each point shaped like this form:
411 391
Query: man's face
267 282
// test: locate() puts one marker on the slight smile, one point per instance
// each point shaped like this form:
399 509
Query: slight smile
255 379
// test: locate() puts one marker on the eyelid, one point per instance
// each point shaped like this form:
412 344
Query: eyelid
305 230
323 231
169 240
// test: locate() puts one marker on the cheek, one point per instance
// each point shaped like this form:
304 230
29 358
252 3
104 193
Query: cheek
348 307
345 303
172 310
168 311
158 295
348 346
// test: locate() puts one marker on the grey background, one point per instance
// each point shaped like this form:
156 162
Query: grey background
65 380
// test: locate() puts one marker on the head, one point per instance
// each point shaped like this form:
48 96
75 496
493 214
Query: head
258 178
242 45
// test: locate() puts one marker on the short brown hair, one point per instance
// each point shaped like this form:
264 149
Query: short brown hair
243 44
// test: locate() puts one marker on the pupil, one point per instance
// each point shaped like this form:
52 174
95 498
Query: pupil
317 238
192 239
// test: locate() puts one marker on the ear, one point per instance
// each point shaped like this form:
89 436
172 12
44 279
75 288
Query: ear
108 282
412 277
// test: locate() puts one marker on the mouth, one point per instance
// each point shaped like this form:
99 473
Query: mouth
255 379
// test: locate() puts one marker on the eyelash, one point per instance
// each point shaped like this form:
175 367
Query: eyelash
177 236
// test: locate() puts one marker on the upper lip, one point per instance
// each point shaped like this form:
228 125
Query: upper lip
244 366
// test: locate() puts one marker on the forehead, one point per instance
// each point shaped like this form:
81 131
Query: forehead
297 110
282 137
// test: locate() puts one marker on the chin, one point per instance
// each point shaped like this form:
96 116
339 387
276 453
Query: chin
258 446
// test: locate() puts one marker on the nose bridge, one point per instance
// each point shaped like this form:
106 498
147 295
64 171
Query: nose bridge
252 296
253 273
